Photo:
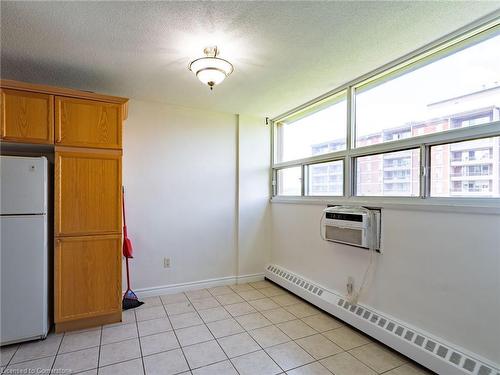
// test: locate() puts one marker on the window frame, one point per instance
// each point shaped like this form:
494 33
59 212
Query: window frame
461 39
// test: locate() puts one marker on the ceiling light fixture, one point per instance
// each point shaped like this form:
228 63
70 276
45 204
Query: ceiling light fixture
211 70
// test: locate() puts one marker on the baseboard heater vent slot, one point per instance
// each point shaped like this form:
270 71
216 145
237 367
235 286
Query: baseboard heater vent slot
441 351
306 285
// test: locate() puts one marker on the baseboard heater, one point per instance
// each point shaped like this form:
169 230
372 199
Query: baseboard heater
433 353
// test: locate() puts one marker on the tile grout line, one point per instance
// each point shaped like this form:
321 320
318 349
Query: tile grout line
140 342
57 351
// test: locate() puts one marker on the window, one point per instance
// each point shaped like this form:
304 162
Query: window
289 181
326 179
393 174
319 130
467 169
425 127
456 91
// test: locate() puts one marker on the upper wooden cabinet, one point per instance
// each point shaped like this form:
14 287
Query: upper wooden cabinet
88 123
87 192
27 117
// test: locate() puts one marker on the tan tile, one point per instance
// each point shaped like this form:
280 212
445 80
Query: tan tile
301 310
119 333
197 294
286 300
179 308
296 329
174 298
261 284
185 320
6 353
84 340
238 309
314 368
252 321
269 336
225 327
319 346
251 295
38 349
150 313
214 314
230 298
409 369
193 335
150 302
241 287
289 355
220 368
378 357
160 342
119 352
279 315
203 354
42 365
150 327
220 290
78 361
205 303
256 363
346 364
166 363
239 344
322 322
346 337
264 304
273 291
133 367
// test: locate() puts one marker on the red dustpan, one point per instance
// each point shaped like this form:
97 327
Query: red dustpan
130 299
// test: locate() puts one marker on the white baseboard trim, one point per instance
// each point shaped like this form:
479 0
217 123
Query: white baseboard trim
199 284
432 352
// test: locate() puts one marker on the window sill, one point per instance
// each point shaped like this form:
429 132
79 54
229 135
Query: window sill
475 206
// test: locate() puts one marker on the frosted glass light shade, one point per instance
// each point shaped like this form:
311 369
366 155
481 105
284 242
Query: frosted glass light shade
211 70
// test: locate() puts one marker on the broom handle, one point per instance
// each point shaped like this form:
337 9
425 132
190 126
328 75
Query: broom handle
128 275
123 206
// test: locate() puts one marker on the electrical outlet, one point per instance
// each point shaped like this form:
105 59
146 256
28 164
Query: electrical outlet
166 262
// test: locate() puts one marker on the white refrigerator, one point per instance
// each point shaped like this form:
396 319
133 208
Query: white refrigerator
24 249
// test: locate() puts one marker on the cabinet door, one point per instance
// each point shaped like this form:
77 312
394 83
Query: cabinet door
87 277
88 123
27 117
87 192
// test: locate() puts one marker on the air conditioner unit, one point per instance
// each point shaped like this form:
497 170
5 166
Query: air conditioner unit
356 226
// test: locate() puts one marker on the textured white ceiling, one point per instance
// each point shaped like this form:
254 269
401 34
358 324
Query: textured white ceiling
284 53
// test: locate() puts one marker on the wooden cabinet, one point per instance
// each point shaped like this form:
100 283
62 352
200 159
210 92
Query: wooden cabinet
87 192
88 123
86 129
27 117
87 277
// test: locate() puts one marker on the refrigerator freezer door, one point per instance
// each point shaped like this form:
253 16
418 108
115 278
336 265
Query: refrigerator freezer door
23 185
24 279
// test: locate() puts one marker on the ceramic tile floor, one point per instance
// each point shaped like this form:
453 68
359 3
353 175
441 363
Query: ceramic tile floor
255 328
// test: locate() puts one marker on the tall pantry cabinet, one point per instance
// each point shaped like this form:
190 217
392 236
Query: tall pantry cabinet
86 131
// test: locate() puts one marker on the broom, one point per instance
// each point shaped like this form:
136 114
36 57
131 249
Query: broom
130 299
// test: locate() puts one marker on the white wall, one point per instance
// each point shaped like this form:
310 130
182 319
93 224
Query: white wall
186 194
179 170
439 271
254 219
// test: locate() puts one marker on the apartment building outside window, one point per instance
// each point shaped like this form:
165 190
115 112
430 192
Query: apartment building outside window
381 135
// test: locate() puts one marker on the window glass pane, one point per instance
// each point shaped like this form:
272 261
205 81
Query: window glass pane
289 181
462 89
390 174
466 169
326 178
322 131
